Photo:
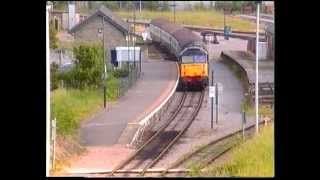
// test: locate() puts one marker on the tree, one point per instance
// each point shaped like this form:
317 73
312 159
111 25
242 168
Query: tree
199 6
54 76
165 6
113 5
60 5
88 68
53 36
151 5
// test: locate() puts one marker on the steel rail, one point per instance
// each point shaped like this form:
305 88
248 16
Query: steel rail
193 116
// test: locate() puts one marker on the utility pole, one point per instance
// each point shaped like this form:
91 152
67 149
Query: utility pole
48 122
257 72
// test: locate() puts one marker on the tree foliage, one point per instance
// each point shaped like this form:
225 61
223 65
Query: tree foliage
54 75
233 5
53 36
165 6
199 6
151 5
60 5
88 68
113 5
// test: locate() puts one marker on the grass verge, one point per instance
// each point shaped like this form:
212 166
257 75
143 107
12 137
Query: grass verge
71 106
253 158
209 18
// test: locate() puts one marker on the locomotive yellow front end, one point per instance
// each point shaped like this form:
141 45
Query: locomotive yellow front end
194 71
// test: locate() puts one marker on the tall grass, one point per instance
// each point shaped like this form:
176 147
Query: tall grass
208 18
71 106
253 158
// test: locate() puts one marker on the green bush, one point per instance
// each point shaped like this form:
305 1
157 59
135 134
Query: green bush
54 76
88 68
112 85
53 37
120 73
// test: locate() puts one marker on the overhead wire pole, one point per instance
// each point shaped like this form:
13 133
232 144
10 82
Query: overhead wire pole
257 72
47 93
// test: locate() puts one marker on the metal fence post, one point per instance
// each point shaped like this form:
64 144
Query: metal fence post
53 138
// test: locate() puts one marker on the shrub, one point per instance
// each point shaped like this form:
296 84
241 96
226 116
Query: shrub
54 76
120 73
53 37
88 68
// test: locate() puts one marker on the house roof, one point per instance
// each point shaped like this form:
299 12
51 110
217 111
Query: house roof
108 16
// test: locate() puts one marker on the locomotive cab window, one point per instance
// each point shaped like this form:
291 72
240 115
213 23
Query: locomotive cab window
194 56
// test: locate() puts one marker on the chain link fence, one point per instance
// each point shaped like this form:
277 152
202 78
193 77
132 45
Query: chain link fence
127 82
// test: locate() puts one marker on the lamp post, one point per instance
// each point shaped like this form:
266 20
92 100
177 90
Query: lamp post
105 65
257 72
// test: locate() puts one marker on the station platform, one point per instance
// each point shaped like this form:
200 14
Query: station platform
247 61
107 134
118 124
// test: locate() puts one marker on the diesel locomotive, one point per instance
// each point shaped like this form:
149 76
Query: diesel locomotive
187 47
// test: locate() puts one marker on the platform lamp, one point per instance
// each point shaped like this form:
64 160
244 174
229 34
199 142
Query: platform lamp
101 31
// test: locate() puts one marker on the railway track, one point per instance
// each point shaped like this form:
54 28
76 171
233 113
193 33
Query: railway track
154 149
203 156
208 153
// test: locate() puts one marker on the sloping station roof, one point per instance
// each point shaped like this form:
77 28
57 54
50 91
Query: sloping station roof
183 35
108 16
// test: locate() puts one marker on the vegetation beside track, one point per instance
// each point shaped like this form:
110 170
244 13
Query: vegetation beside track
78 97
253 158
71 106
208 18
